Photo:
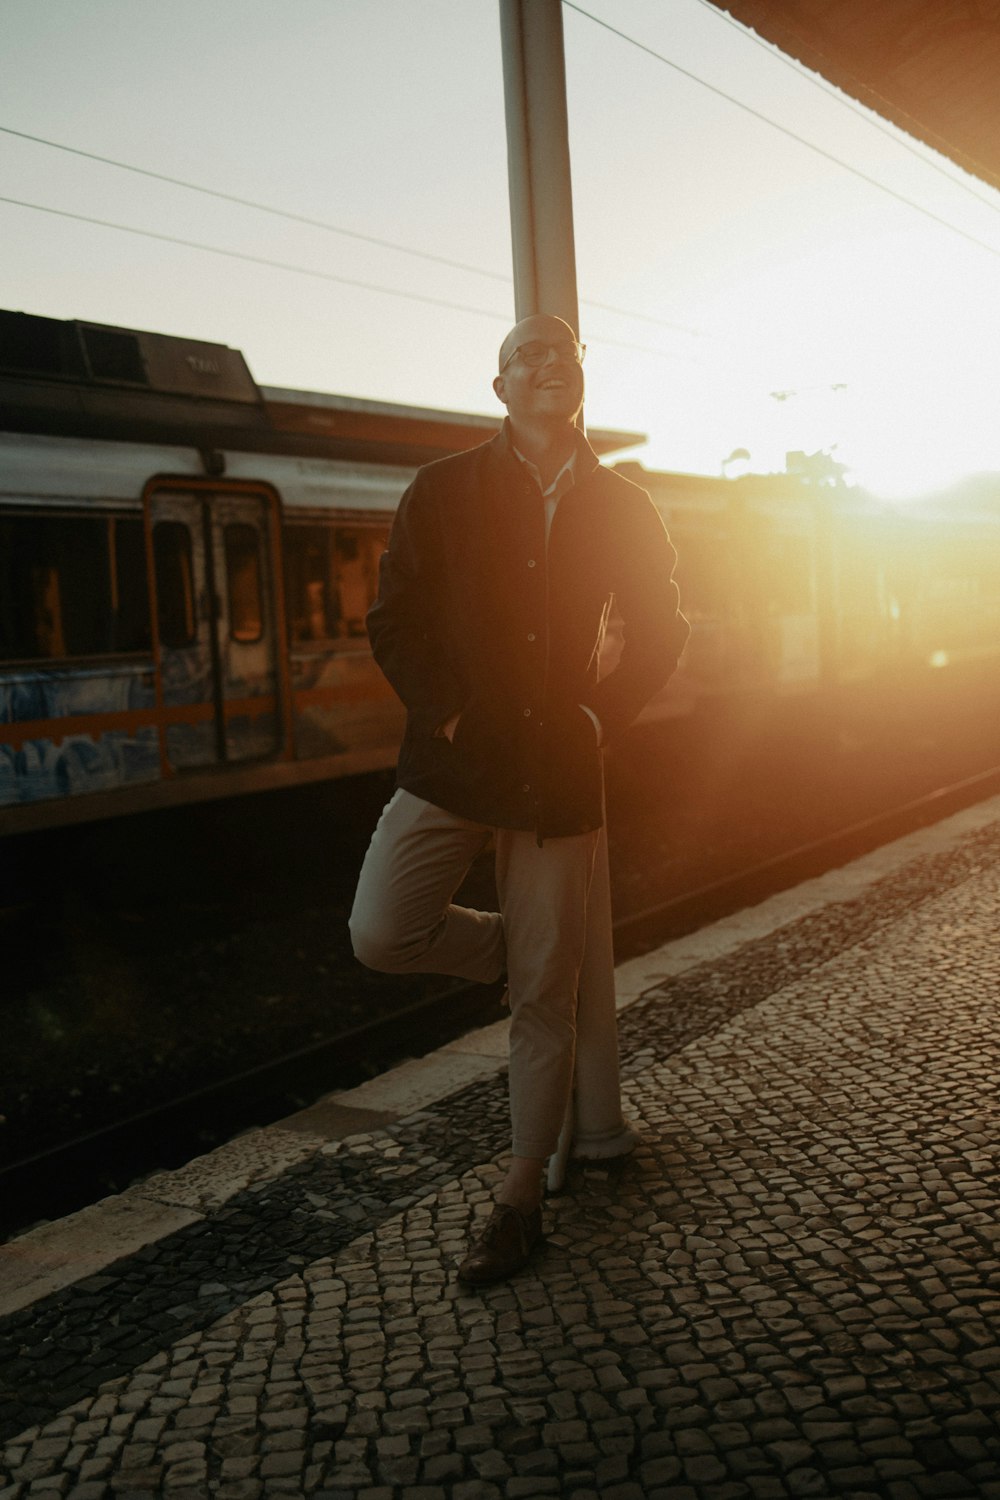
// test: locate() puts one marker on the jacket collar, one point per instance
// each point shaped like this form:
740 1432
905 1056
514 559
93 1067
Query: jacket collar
586 459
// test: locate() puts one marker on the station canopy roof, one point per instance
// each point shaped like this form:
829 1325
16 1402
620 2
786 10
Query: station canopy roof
932 67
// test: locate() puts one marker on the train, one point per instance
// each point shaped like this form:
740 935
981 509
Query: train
187 558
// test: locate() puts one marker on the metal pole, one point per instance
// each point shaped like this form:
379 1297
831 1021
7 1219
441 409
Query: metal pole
538 169
541 220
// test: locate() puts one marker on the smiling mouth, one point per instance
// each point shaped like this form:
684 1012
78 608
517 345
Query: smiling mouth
553 385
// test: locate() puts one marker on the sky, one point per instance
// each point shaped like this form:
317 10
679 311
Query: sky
720 259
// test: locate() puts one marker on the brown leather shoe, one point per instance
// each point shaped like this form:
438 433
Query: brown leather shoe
503 1247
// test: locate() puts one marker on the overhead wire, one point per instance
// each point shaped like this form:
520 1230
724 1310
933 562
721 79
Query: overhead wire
263 208
280 265
465 267
258 260
496 276
323 224
785 130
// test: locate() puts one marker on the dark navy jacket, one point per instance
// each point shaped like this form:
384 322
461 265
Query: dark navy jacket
476 615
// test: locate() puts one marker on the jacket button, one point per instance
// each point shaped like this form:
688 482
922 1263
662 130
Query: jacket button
527 713
531 635
531 562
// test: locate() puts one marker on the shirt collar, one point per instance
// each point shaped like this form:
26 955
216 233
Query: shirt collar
586 459
562 482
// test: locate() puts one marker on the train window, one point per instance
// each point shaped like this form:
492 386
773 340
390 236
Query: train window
312 609
127 541
243 582
174 564
331 579
357 551
71 586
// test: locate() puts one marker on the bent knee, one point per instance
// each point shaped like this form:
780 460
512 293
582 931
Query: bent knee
370 945
382 948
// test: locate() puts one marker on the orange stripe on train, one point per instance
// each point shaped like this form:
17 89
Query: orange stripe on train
131 720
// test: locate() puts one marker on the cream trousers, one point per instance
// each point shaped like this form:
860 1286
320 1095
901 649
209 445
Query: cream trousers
404 920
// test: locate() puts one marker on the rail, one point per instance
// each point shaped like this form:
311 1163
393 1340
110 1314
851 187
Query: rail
79 1171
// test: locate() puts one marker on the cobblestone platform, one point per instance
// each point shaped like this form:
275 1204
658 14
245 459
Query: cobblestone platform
792 1288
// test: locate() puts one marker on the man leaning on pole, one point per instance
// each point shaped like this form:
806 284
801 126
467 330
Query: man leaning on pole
493 599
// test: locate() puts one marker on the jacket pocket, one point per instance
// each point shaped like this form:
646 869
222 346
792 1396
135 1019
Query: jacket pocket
482 745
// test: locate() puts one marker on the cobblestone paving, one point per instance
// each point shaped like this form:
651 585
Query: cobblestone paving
791 1289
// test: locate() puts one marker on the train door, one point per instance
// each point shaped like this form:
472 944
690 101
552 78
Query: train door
216 583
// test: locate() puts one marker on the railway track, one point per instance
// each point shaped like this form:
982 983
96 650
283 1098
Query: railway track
76 1172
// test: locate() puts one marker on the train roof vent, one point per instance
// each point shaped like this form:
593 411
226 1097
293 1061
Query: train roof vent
113 355
30 345
94 354
191 367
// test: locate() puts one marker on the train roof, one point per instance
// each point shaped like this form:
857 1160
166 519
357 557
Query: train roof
431 432
71 378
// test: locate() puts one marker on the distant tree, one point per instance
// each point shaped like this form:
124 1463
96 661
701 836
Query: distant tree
817 468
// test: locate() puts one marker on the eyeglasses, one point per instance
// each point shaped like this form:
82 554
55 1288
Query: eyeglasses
536 352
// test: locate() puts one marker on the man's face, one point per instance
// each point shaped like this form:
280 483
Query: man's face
551 391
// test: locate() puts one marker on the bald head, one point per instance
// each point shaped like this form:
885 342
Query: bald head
544 326
546 388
